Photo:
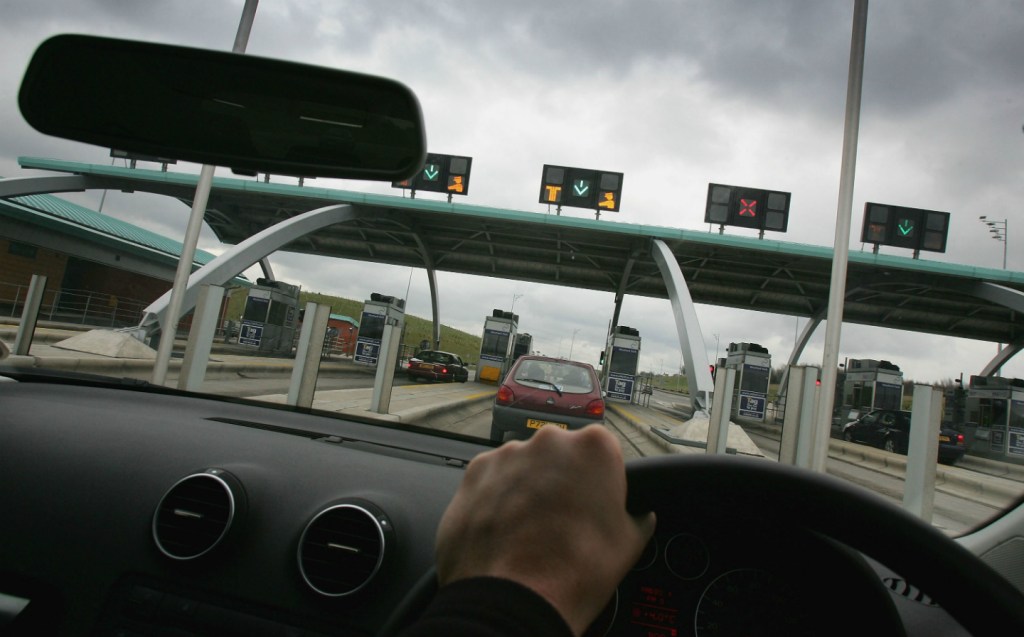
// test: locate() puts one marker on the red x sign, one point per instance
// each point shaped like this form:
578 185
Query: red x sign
748 207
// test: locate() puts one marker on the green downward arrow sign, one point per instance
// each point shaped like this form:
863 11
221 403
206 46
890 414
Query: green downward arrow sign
581 188
905 227
431 171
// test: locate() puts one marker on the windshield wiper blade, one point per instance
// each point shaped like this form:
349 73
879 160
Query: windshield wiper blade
69 376
557 389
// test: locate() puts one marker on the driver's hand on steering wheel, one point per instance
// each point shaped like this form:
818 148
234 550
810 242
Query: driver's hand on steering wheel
548 513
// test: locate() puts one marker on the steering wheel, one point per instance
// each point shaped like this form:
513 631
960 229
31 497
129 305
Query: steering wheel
971 591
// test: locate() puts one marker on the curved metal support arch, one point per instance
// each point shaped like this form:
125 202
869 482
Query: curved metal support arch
242 256
1012 299
798 349
268 272
428 262
621 292
698 375
1000 359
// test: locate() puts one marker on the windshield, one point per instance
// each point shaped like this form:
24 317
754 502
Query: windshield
555 374
672 167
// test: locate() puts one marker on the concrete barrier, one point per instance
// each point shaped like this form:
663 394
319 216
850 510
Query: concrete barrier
446 416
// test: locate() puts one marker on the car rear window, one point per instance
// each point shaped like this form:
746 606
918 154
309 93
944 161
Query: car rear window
570 378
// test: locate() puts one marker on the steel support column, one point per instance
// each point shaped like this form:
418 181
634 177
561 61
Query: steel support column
238 259
698 373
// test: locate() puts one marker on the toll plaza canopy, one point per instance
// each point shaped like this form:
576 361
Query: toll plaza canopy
740 272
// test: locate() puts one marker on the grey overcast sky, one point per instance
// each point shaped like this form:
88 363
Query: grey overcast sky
675 94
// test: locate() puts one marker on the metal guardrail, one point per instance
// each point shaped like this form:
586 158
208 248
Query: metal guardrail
85 308
82 307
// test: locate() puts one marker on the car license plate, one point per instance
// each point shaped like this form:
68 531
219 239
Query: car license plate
537 424
943 438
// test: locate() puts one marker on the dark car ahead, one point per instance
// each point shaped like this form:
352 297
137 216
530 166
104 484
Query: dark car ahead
539 391
434 365
889 429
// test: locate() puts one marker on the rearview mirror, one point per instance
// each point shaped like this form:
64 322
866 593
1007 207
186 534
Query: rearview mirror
225 109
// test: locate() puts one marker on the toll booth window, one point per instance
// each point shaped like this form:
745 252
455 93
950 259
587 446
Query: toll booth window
887 396
754 380
848 394
372 326
256 309
494 344
624 362
987 412
860 395
277 313
1017 414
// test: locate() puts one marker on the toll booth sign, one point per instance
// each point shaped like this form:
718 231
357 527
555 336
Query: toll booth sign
901 227
441 173
752 405
581 188
747 207
620 386
367 352
250 333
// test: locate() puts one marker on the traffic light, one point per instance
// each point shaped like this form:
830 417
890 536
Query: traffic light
581 188
712 370
902 227
747 207
441 173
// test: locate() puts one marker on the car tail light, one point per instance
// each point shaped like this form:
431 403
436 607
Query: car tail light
444 370
595 408
505 395
959 439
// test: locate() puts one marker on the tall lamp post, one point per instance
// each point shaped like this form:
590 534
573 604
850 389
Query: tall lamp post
999 232
573 341
515 297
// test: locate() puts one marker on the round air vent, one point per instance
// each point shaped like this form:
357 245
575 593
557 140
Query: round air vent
196 514
908 590
343 547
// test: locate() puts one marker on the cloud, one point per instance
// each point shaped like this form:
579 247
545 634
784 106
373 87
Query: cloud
674 94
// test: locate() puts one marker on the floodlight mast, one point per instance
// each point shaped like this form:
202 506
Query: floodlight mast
195 223
999 231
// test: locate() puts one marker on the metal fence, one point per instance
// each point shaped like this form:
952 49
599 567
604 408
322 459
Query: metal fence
81 307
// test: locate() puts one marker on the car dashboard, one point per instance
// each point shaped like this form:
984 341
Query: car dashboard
139 511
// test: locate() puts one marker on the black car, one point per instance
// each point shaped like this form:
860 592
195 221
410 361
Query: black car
434 365
889 429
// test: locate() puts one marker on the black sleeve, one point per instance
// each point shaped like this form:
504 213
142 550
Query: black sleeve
489 607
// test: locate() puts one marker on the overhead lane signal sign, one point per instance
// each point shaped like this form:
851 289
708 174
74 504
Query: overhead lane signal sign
747 207
913 228
441 173
581 188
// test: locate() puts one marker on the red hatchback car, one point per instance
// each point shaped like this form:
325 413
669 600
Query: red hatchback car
539 391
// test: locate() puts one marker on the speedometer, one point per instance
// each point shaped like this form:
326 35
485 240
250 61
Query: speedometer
751 602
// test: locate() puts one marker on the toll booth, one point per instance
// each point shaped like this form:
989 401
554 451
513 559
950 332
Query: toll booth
995 418
500 330
380 310
523 345
270 317
621 362
867 384
753 367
